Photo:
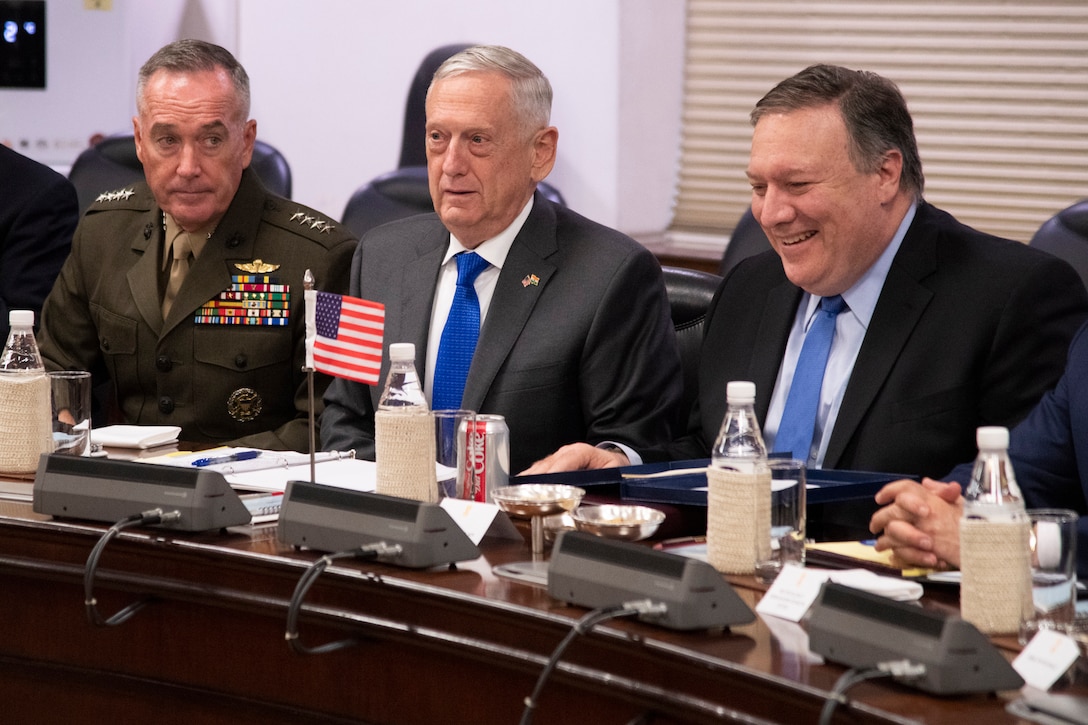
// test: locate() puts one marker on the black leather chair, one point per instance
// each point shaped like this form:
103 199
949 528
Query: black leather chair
747 239
112 164
405 191
1065 235
690 292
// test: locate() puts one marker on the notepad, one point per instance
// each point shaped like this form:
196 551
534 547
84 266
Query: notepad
263 507
857 553
135 436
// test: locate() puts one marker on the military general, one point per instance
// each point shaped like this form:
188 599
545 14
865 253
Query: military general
185 292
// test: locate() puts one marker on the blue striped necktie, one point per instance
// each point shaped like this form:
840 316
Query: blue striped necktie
799 417
459 336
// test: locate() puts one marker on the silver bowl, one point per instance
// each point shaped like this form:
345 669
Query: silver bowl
537 499
618 521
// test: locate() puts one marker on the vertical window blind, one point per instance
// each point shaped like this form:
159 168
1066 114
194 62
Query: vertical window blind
998 91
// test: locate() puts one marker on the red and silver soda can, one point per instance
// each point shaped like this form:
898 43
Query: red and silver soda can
488 450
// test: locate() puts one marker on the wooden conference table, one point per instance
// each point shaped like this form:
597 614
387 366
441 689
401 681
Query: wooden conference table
435 646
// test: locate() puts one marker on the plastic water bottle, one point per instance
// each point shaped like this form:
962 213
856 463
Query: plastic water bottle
739 488
404 432
995 563
21 351
26 416
402 389
739 445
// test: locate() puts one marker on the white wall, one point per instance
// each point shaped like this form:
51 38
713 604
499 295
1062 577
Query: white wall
330 79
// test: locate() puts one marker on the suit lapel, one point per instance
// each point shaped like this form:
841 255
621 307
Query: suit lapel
417 303
903 300
143 276
779 310
513 301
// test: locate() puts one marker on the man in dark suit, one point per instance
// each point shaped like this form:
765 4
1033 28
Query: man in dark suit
1049 454
575 341
944 329
185 292
38 213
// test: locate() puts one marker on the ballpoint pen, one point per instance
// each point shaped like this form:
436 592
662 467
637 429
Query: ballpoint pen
213 460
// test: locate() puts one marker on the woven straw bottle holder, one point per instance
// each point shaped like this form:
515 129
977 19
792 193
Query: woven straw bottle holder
995 584
404 452
26 421
738 531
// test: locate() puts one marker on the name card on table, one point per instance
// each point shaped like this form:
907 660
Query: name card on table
1046 658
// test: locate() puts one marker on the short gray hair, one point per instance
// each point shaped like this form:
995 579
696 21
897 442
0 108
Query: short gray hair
873 109
532 93
189 56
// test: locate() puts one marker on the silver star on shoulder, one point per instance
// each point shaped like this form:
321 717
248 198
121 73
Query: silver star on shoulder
117 195
297 215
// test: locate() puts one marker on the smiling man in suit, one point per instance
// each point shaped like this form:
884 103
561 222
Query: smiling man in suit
937 328
575 339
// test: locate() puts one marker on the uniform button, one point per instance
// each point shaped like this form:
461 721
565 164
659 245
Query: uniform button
105 345
166 405
163 364
241 361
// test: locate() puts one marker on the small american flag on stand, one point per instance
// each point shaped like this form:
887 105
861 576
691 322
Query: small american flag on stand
344 336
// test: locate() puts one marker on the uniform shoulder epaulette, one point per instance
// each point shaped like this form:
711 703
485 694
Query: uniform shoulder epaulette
308 223
127 197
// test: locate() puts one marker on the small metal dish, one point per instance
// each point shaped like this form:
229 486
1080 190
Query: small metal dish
537 499
616 521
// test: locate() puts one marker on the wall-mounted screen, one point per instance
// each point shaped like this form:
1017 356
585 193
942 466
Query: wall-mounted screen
22 43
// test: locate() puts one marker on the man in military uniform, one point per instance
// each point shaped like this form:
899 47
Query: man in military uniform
186 291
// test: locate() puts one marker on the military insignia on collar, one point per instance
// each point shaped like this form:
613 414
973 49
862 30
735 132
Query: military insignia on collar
257 266
304 219
118 195
244 404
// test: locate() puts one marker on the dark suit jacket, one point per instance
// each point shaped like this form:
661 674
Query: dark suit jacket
1049 449
38 214
969 330
221 383
586 353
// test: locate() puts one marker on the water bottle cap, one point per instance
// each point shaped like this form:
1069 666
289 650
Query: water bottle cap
23 318
740 391
402 352
992 437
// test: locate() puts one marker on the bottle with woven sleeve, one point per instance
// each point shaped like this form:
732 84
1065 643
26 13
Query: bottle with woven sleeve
995 564
404 434
738 488
26 418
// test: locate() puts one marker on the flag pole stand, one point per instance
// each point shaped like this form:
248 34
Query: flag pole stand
308 286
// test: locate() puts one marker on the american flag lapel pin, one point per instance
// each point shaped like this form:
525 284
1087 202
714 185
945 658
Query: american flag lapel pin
530 279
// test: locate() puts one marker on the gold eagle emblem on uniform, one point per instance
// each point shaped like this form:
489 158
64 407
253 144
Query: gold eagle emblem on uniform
257 266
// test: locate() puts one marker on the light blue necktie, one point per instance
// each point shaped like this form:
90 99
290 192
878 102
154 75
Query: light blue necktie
799 418
459 336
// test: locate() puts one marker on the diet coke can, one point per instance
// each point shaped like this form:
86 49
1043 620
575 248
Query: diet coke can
487 446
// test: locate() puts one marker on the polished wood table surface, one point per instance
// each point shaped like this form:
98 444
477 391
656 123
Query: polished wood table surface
444 645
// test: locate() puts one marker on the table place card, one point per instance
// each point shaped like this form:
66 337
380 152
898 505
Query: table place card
1046 658
792 593
478 519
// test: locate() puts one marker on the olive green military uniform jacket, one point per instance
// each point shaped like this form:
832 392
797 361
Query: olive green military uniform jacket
221 382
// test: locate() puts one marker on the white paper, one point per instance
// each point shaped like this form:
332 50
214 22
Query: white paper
474 517
792 593
1046 658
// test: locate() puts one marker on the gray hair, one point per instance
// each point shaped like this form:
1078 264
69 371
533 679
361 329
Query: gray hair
873 109
189 56
532 93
